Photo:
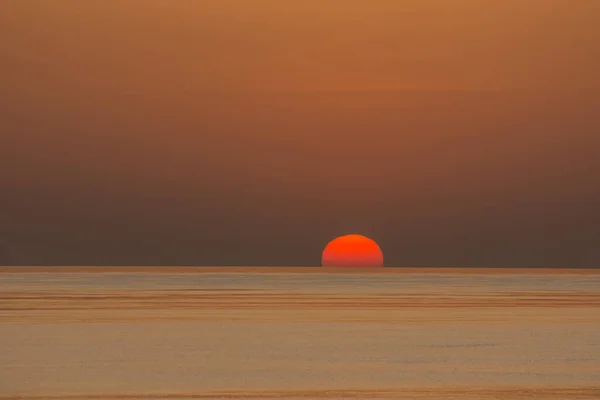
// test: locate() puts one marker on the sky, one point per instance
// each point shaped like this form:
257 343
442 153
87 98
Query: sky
231 132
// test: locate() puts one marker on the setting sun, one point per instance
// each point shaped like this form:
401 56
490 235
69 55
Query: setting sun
352 251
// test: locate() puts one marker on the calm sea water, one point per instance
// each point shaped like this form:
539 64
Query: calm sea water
292 335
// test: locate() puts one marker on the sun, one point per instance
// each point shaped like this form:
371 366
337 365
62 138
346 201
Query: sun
352 251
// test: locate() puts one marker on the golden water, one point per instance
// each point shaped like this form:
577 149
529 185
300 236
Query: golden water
299 334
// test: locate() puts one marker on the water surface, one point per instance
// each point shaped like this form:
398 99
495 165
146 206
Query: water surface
299 334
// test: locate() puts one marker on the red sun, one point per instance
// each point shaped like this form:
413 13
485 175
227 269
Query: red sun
352 251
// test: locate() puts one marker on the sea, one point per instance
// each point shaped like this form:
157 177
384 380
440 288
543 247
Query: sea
297 333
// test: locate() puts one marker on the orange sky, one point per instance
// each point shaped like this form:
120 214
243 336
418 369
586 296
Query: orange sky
324 116
269 45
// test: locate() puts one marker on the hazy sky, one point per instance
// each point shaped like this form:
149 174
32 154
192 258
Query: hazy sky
216 132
